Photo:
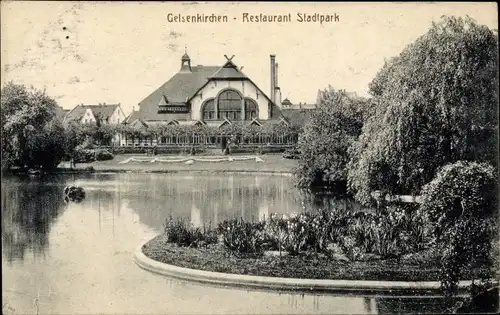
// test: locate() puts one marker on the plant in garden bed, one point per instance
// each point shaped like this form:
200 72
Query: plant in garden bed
182 233
244 238
393 233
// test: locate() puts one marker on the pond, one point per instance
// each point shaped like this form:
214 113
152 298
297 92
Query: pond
60 258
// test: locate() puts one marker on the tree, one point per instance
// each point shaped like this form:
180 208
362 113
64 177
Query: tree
30 130
435 103
326 138
462 203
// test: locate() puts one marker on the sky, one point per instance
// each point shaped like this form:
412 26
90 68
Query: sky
112 52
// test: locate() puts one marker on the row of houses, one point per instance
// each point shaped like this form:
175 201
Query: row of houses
200 95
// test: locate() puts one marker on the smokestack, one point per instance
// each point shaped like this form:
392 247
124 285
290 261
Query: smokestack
276 75
273 77
277 96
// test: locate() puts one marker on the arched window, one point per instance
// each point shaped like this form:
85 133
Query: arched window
251 109
208 110
229 105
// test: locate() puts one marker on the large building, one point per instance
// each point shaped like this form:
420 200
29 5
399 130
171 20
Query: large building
211 95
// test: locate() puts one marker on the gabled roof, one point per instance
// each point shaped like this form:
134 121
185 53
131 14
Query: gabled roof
286 101
100 111
178 89
132 117
139 124
228 71
163 101
103 111
255 122
76 114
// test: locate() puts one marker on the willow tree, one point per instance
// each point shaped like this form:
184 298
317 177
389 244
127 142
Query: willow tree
436 103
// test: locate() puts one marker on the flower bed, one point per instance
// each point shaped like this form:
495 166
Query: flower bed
307 266
391 245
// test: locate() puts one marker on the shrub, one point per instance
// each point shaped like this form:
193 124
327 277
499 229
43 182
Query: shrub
74 193
103 155
182 233
461 202
81 155
293 154
245 238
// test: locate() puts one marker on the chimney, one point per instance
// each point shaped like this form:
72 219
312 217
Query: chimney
277 96
276 75
273 77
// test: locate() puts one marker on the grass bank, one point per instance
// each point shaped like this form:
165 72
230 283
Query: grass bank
271 163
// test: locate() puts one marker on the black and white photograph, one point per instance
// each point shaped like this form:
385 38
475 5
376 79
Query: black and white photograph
249 157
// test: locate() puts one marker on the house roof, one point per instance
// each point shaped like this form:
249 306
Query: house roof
100 111
286 101
103 111
132 117
228 71
76 113
297 117
176 90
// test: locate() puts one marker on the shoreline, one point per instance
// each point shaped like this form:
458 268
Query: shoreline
164 171
268 165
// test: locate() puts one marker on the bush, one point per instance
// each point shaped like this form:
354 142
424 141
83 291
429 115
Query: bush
245 238
462 203
81 155
182 233
86 155
460 190
103 155
74 193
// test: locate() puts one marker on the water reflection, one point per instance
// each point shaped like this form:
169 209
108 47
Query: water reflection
207 199
28 211
77 258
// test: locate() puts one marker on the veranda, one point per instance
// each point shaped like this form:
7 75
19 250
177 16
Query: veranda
272 135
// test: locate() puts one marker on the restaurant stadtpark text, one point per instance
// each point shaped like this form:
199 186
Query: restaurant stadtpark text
254 18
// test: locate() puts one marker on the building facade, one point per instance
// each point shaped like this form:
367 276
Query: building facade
211 96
